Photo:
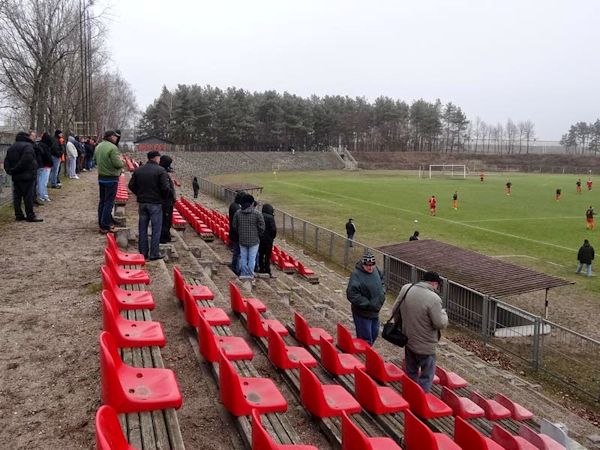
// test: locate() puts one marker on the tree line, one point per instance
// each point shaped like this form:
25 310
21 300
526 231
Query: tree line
582 138
53 70
210 118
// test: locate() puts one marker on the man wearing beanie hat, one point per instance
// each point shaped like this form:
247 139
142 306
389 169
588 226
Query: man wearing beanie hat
109 163
168 203
366 293
249 225
150 184
423 318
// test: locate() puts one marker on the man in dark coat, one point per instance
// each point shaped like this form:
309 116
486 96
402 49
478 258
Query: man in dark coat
20 163
234 244
57 151
350 230
150 184
265 247
168 203
585 255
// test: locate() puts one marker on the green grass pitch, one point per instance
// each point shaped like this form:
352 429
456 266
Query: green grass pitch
529 227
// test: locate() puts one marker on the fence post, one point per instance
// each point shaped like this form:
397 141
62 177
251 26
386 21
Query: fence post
536 351
413 274
485 316
292 226
304 233
317 240
283 220
346 254
331 237
445 294
386 271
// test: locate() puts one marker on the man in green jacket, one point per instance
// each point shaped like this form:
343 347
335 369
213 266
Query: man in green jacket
110 165
366 293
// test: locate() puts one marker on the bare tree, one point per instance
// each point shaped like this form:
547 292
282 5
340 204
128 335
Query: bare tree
528 132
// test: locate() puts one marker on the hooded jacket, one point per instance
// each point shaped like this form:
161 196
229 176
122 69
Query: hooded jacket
270 227
42 151
56 149
585 255
71 148
366 292
422 317
249 225
233 208
165 163
20 162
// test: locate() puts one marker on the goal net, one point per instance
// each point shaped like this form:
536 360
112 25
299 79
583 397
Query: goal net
448 170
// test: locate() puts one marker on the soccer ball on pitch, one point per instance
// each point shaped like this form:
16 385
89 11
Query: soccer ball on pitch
416 220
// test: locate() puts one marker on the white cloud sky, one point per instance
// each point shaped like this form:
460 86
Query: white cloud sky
524 59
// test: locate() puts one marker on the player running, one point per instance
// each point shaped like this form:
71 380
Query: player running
508 187
588 183
481 176
432 205
558 194
578 186
455 200
589 218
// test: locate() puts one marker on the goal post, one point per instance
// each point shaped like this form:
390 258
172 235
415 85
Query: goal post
450 170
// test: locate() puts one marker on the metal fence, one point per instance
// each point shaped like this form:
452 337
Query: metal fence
546 347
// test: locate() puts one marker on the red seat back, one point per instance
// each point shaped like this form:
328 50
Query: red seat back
254 323
277 350
352 436
365 390
235 297
190 308
207 341
415 396
110 362
302 330
260 438
375 365
467 436
345 340
109 435
330 357
230 388
311 391
178 282
108 280
110 311
417 436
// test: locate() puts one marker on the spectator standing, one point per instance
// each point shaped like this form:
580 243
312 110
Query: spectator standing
20 163
56 151
249 225
350 230
150 184
195 187
423 318
233 236
44 166
585 255
72 154
89 147
168 203
589 218
110 164
265 247
414 237
366 293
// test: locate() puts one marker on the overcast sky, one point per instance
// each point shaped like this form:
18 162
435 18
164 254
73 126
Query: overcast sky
523 59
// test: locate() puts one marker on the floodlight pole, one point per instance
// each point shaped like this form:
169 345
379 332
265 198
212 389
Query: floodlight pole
546 305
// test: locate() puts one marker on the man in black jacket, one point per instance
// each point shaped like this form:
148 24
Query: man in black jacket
20 163
150 184
350 230
168 203
585 255
265 247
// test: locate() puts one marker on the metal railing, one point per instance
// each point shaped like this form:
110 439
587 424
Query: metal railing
545 347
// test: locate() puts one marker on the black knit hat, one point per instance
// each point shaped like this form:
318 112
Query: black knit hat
432 276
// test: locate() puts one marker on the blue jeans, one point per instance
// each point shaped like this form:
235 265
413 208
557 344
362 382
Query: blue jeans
366 329
420 368
248 260
42 182
149 213
588 269
235 257
54 171
108 192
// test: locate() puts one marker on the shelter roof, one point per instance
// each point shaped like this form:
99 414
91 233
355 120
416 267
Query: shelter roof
236 187
478 272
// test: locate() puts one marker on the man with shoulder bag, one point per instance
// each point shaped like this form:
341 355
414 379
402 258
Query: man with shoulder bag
422 318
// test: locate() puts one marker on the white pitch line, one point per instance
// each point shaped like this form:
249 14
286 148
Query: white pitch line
454 222
520 219
514 256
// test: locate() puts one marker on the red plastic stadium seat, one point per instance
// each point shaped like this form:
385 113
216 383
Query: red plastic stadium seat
354 439
125 259
302 270
126 299
259 327
541 441
129 333
418 436
238 303
109 435
338 363
493 410
125 276
285 356
214 316
461 406
324 400
349 344
468 437
234 347
450 379
199 292
423 404
374 398
284 264
517 411
132 389
307 335
384 372
510 442
262 441
240 395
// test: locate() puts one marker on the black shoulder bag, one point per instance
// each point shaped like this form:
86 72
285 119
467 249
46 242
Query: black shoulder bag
392 331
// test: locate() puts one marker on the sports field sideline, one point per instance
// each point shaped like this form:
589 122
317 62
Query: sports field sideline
528 227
